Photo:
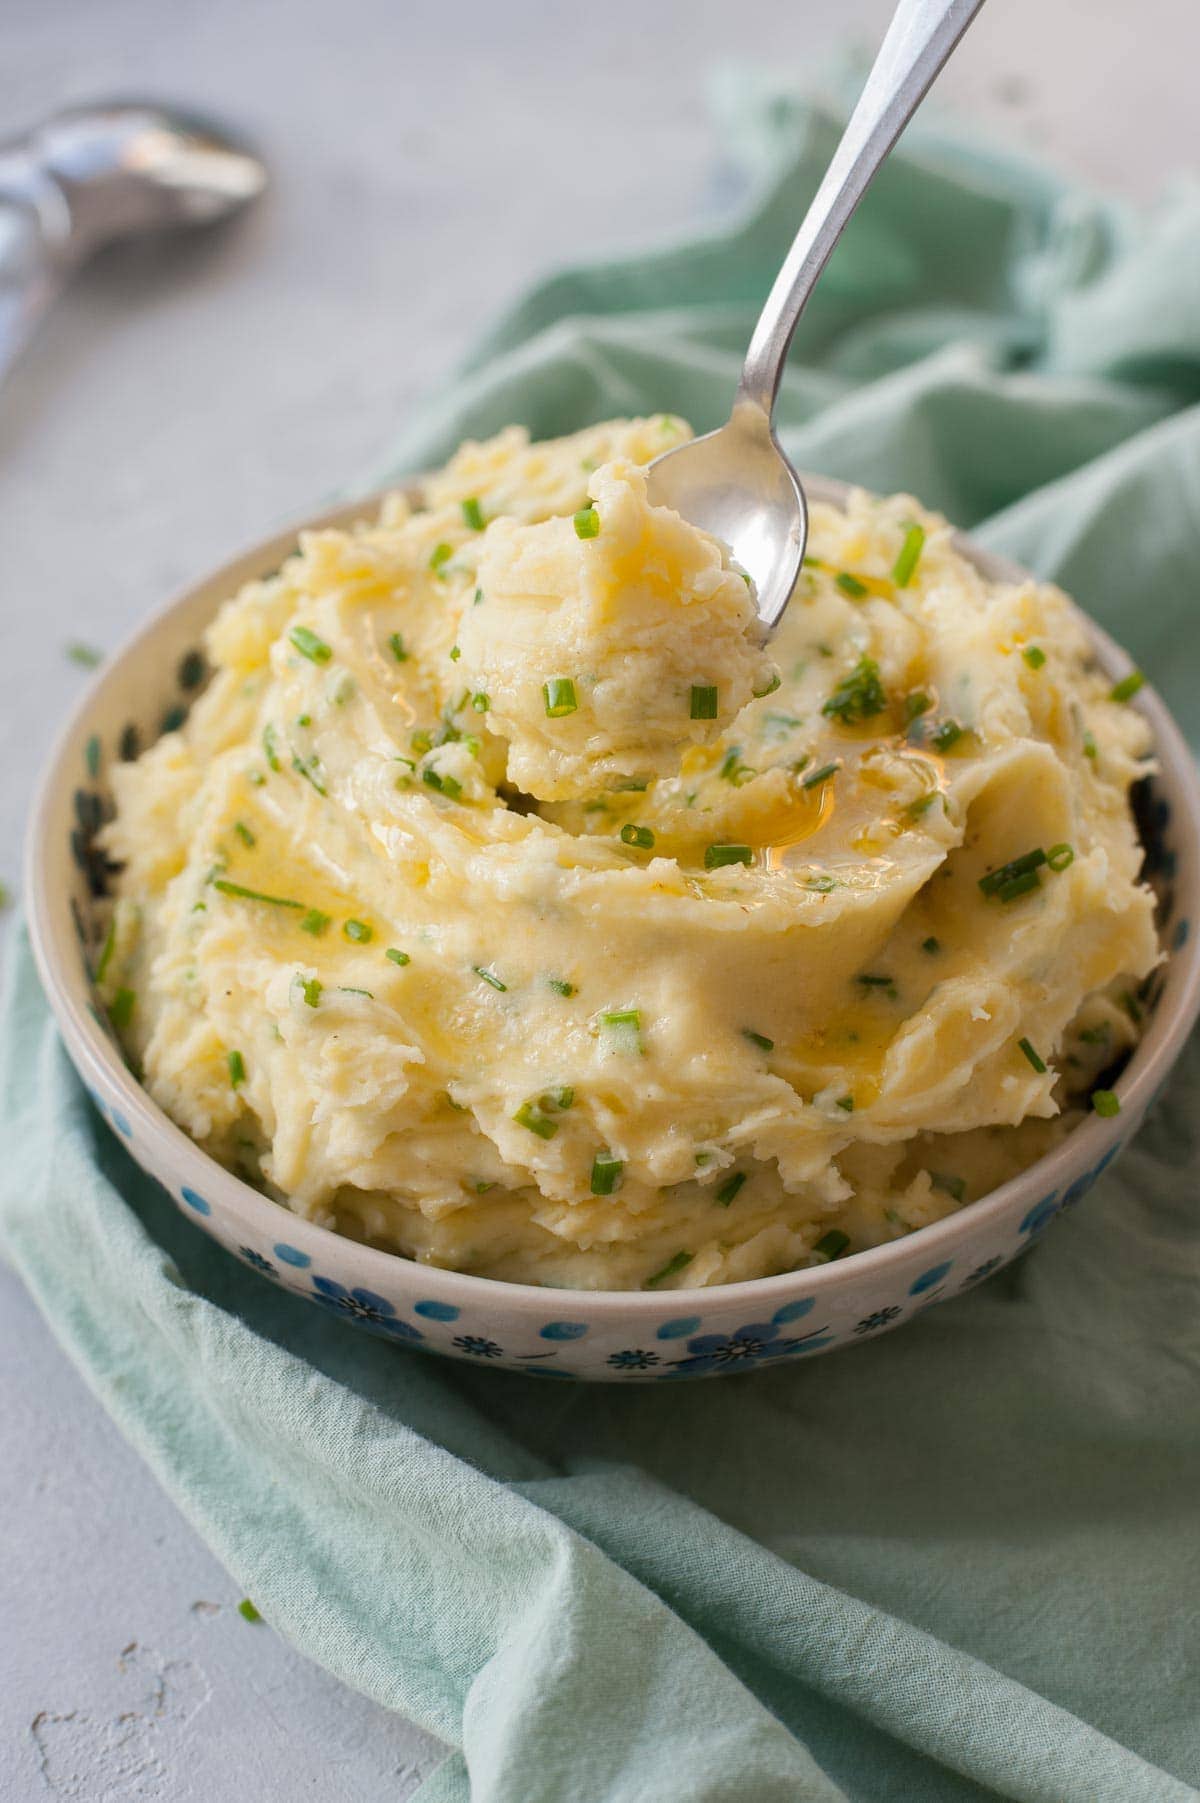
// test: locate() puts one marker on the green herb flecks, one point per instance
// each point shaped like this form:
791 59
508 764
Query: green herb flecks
909 556
640 837
244 834
396 647
310 769
1034 656
606 1174
1125 690
310 988
621 1030
729 1189
86 656
559 697
945 734
673 1266
480 702
309 645
1060 856
472 513
396 955
442 782
121 1008
1035 1058
106 950
953 1186
587 523
758 1039
831 1245
439 557
703 704
1106 1102
239 891
931 945
859 696
535 1118
314 922
560 986
846 1104
247 1610
270 745
820 776
490 978
767 685
237 1069
716 857
850 585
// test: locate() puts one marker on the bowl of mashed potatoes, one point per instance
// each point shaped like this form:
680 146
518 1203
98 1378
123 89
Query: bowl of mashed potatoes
482 933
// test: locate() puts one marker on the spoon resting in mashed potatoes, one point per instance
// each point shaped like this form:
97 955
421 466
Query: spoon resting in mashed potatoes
504 904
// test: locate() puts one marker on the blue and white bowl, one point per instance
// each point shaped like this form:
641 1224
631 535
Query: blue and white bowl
146 689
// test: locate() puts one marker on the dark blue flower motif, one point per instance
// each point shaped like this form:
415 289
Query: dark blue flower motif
1041 1215
872 1323
365 1307
747 1346
475 1347
984 1270
257 1260
632 1360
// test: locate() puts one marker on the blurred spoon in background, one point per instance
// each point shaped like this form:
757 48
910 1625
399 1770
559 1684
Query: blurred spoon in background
94 174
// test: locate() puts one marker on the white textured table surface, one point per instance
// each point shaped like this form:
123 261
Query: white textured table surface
427 161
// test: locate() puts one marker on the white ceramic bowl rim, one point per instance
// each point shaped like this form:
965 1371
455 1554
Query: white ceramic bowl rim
56 952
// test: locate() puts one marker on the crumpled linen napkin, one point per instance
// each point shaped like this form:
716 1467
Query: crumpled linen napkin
959 1562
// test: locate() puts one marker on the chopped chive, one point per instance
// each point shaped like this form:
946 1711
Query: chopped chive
237 1069
680 1262
716 857
1090 747
1097 1035
1034 656
478 598
1018 886
921 806
472 513
1029 861
587 523
310 989
396 645
859 696
831 1245
877 982
641 836
953 1186
532 1116
846 1103
440 556
822 885
909 556
850 585
1059 856
946 734
358 930
480 702
309 645
490 978
421 741
314 922
345 989
931 945
560 986
106 950
1131 1008
733 770
396 955
455 653
243 832
1034 1057
247 1610
915 705
270 747
559 695
820 776
274 901
446 785
561 1098
86 656
729 1189
606 1173
1125 690
255 778
704 701
1106 1102
771 684
812 563
759 1039
120 1012
622 1028
310 769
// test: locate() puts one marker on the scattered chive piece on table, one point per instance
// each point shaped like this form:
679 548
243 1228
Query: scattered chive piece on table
396 646
243 832
1059 856
121 1011
1106 1102
490 978
247 1610
759 1039
704 702
587 523
85 655
532 1116
358 930
237 1070
716 857
909 556
820 776
1125 690
560 986
244 894
1034 1057
680 1262
931 945
472 513
953 1186
877 982
846 1103
606 1173
850 585
440 556
831 1245
1034 656
559 695
859 696
729 1189
314 922
641 836
309 645
397 956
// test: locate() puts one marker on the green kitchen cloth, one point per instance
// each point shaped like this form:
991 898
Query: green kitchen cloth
957 1562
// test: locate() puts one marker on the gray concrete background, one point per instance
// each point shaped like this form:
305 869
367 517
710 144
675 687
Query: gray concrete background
428 160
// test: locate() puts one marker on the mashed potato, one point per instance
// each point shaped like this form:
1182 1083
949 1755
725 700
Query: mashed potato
502 904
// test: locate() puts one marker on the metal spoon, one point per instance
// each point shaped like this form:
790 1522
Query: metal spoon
94 174
736 482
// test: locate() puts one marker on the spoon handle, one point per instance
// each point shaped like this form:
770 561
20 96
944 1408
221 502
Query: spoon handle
920 38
